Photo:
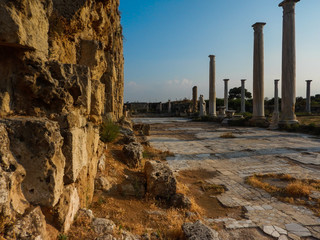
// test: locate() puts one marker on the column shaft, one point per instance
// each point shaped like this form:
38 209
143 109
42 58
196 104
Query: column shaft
194 99
258 72
226 93
212 86
308 97
288 63
243 96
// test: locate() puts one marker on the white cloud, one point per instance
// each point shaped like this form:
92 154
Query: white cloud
132 84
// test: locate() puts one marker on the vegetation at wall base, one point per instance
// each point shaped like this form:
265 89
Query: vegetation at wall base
109 131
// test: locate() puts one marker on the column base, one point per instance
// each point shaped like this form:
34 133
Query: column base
288 122
259 121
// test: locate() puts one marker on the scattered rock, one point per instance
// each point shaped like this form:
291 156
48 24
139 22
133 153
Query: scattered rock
179 200
101 183
199 231
129 139
86 213
103 226
102 163
161 182
143 127
133 151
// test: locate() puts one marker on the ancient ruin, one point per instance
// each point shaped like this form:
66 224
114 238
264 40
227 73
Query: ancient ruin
258 72
61 75
243 96
212 86
308 97
194 99
226 93
288 80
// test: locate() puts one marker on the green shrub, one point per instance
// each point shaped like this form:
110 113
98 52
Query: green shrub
109 131
63 237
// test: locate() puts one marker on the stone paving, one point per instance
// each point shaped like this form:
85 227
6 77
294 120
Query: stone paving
253 150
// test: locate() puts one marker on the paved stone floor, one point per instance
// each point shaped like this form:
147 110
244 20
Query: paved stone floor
253 150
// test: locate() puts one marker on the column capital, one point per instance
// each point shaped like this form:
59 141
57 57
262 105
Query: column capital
243 80
212 56
258 25
277 80
308 81
226 80
287 1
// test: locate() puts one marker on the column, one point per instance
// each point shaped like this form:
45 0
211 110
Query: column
276 96
243 96
169 106
288 90
308 97
212 86
226 93
194 99
275 115
258 72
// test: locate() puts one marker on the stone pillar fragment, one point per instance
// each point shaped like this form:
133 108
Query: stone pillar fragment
212 86
169 106
288 101
258 72
308 97
226 94
194 99
202 106
243 96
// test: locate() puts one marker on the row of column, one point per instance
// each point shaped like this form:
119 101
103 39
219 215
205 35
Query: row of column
288 71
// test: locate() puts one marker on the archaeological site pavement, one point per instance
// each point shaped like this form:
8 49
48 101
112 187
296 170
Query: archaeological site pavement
250 151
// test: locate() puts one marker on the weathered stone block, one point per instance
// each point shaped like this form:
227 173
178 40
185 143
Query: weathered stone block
31 226
11 176
199 231
67 208
25 24
36 143
161 182
133 151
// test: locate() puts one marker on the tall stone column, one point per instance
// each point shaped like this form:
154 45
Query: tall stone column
169 106
276 96
226 93
243 96
308 97
288 90
275 115
258 72
212 86
194 99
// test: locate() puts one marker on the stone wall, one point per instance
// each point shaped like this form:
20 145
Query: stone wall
61 74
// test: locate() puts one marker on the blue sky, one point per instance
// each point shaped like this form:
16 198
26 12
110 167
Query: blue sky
167 43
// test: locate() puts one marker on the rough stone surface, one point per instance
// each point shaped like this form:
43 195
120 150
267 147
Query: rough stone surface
160 179
145 128
133 151
11 176
179 200
31 226
103 226
101 183
61 75
199 231
67 208
36 143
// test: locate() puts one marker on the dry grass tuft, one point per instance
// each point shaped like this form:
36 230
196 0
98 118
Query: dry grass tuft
298 189
255 181
228 135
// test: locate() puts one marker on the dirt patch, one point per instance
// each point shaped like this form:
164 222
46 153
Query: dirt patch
204 193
